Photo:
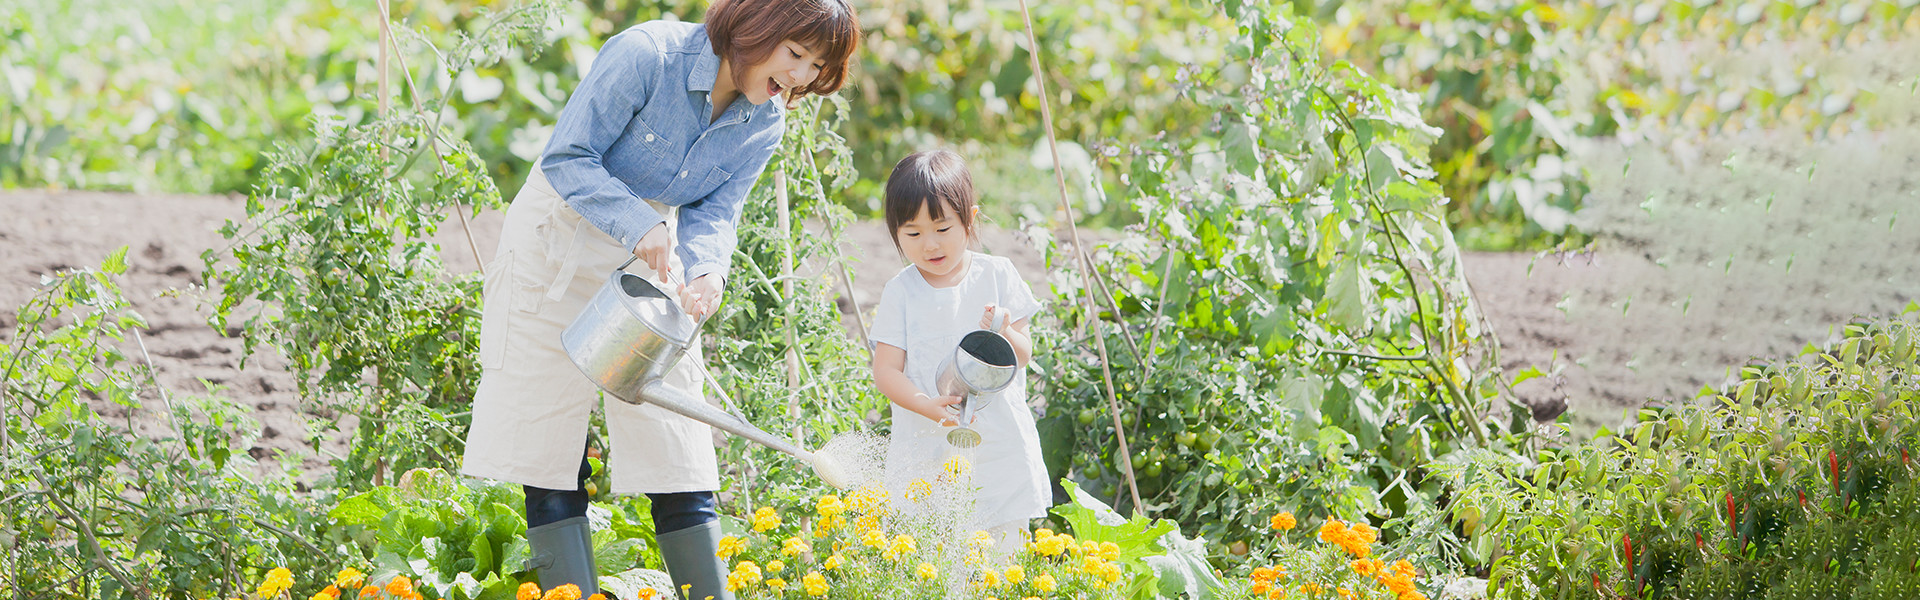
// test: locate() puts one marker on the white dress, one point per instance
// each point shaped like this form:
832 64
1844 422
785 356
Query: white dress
928 323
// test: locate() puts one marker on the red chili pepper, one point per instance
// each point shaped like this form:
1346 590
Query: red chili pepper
1733 523
1628 543
1903 456
1833 460
1699 542
1803 498
1596 582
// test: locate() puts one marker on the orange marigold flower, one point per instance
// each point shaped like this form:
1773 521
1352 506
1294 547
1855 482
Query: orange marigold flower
369 590
1404 568
1364 567
528 591
403 587
1260 587
564 592
597 597
648 593
1283 521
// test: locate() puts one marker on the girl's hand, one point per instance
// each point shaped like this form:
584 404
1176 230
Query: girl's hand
653 249
944 410
701 297
986 316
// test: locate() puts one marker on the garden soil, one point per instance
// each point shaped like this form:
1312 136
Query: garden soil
1642 321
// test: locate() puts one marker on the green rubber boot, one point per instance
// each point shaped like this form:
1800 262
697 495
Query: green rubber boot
691 561
563 553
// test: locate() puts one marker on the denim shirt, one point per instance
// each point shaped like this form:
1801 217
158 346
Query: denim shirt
637 128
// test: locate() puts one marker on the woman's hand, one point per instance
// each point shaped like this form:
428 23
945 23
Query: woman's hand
654 248
701 297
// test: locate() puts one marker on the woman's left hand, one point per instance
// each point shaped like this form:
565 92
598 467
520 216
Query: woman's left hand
701 297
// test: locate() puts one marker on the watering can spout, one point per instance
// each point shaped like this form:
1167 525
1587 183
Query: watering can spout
658 393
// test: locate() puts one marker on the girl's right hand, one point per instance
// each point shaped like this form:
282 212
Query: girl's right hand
944 410
653 249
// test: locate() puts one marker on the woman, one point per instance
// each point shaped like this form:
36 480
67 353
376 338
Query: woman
652 159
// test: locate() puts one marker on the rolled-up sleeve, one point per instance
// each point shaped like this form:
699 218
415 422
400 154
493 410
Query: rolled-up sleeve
707 227
624 75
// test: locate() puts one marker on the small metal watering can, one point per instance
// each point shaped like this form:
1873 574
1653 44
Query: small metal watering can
631 334
981 364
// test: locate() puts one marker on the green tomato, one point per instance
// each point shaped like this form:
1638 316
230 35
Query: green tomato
1187 439
1088 416
1153 470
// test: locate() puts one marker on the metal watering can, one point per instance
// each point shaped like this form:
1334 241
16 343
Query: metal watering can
980 365
631 334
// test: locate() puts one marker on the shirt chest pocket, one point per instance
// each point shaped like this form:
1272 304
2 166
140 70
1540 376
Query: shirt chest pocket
682 178
692 182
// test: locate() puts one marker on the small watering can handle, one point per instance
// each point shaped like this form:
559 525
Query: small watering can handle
623 266
999 319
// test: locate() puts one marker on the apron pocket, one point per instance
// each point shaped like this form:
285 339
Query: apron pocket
495 302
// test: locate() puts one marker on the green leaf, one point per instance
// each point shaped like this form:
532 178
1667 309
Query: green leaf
1345 297
116 263
1241 143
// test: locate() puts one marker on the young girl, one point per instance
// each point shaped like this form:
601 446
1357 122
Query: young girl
947 292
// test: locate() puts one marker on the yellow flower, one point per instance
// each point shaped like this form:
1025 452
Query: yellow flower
730 546
777 583
1345 594
868 499
927 571
765 519
829 506
278 580
1283 521
776 566
918 490
331 593
875 538
982 538
1015 574
566 591
349 578
1106 550
748 571
1044 582
648 593
866 523
957 466
815 583
901 545
528 591
833 562
989 578
825 526
795 546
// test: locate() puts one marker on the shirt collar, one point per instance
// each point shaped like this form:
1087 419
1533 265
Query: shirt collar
706 65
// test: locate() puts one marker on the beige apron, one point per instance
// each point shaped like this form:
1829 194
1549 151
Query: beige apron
530 413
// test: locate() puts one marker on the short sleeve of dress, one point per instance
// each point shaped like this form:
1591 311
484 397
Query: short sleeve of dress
890 318
1014 293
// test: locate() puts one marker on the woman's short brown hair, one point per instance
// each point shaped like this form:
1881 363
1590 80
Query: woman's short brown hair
935 181
745 32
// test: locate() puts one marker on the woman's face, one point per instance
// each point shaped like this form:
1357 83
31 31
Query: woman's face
791 65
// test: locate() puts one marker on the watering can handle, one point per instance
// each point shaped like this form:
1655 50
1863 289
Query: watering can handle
999 319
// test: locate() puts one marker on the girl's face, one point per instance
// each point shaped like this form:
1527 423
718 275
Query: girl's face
791 65
938 248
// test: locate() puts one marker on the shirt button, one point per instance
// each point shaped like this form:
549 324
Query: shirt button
683 173
649 137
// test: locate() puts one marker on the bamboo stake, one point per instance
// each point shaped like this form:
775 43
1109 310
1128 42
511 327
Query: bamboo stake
783 208
1086 262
